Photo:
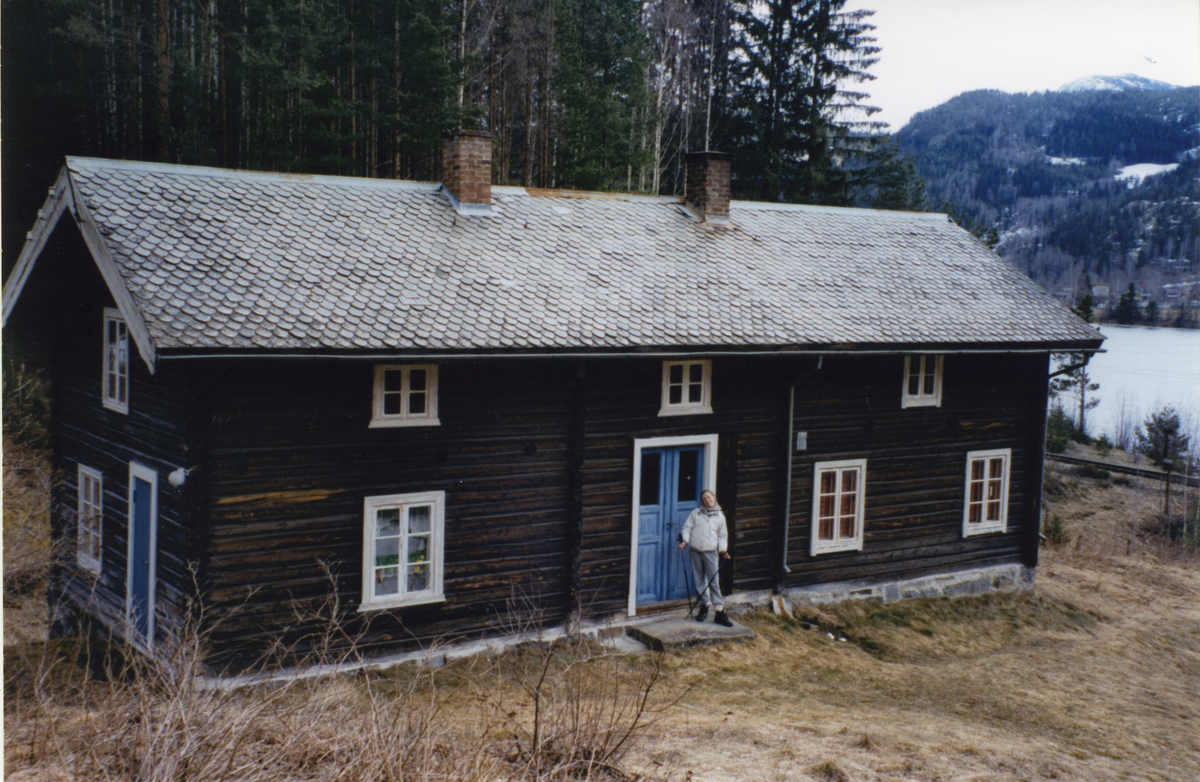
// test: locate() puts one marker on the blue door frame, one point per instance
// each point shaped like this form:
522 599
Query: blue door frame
671 481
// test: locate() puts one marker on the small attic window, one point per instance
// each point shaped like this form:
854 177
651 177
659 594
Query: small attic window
405 395
686 387
115 383
922 381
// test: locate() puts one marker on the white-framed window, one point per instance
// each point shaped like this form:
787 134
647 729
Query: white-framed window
402 549
839 489
89 513
405 395
986 505
922 381
115 383
686 387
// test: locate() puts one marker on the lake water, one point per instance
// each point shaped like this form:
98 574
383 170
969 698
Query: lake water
1144 369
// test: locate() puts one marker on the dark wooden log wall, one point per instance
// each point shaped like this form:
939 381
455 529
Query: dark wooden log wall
63 306
293 458
916 462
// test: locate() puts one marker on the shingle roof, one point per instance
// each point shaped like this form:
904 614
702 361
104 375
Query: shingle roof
216 259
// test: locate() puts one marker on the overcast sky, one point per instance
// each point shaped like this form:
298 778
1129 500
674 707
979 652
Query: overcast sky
936 49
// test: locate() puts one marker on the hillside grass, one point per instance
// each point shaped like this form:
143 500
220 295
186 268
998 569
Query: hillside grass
1093 675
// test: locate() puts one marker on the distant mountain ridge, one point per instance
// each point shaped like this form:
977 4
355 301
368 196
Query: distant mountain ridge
1126 81
1037 174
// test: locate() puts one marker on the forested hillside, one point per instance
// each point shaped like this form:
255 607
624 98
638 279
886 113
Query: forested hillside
590 94
1041 175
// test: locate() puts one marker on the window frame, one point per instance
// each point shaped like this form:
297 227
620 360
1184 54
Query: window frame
983 527
704 406
816 544
435 594
92 511
379 419
921 399
114 402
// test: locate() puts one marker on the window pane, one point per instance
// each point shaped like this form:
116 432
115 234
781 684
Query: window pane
675 395
387 522
914 382
695 393
393 379
418 578
847 530
689 476
825 507
929 384
976 491
995 468
418 549
849 501
850 481
993 490
387 552
416 403
416 380
419 519
993 511
828 483
676 374
391 404
387 581
977 470
825 529
112 332
651 462
974 513
696 373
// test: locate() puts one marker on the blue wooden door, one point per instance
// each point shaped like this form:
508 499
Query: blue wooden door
141 573
670 490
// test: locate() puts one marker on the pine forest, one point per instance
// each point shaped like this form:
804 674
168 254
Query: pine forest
587 94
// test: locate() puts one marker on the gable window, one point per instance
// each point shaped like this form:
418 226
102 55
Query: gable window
90 515
986 508
116 362
686 387
405 395
837 515
402 549
922 381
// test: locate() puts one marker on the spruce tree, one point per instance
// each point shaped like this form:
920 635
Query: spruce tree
796 120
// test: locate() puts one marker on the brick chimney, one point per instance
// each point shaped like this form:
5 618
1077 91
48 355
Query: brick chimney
708 185
467 171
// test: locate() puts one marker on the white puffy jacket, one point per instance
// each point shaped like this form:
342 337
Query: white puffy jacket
705 530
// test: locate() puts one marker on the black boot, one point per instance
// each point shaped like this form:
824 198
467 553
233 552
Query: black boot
722 619
702 612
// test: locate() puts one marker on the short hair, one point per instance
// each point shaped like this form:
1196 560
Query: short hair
708 491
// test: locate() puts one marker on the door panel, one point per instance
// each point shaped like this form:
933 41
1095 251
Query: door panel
139 605
670 490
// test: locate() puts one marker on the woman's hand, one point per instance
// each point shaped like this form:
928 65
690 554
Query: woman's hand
682 546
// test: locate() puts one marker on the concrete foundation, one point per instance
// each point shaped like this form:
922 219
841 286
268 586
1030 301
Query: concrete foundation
977 581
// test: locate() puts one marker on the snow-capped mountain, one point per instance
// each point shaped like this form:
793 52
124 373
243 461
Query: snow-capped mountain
1126 81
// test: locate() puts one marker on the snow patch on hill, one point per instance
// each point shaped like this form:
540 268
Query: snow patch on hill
1135 174
1126 81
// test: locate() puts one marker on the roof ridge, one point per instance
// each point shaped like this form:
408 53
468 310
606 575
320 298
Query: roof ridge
771 206
75 162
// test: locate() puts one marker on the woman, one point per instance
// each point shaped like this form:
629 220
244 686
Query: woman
706 533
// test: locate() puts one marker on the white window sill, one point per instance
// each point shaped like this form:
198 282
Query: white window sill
833 548
116 407
380 605
392 423
686 410
918 402
978 529
88 564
